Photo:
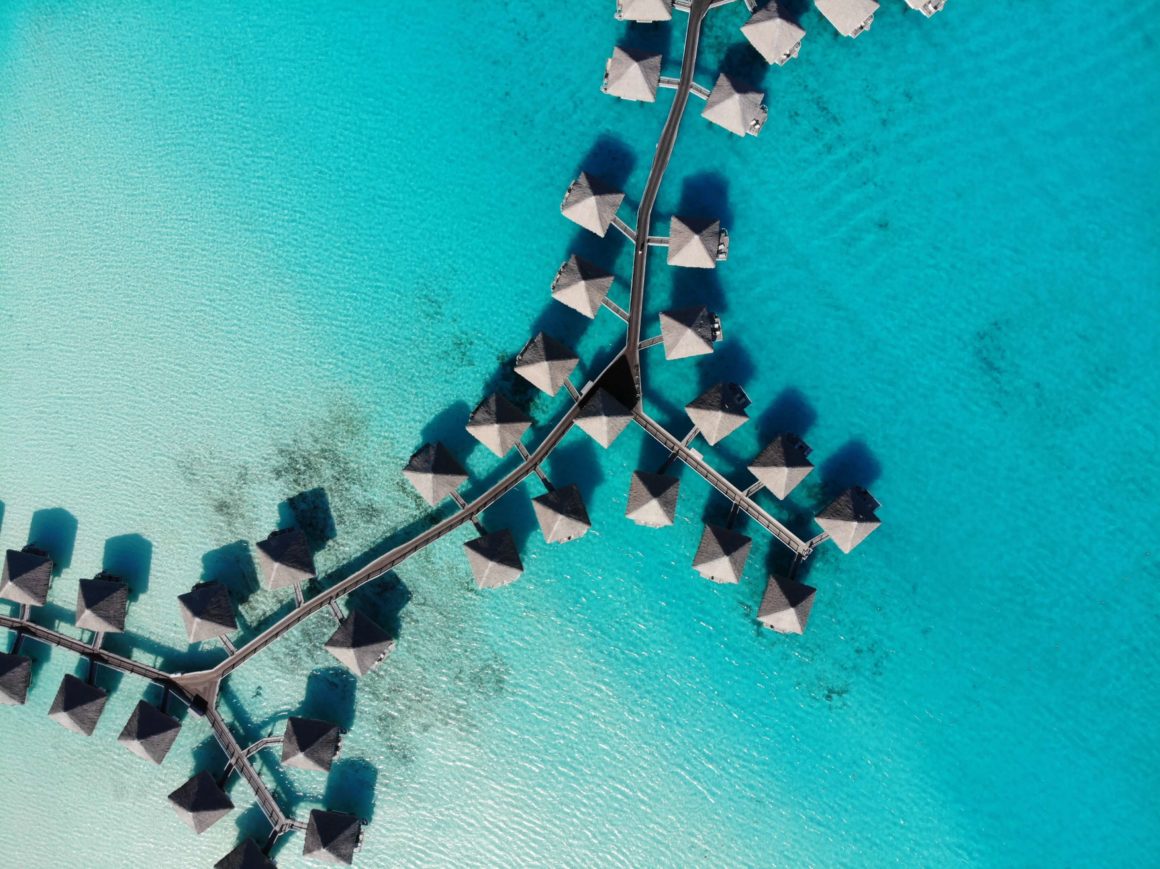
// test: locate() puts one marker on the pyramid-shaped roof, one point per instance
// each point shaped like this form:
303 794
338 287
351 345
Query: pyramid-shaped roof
581 286
632 75
786 606
591 203
247 855
776 39
850 519
102 604
286 559
200 802
782 464
603 417
15 677
26 577
149 733
722 554
494 559
498 424
735 106
332 837
849 17
360 644
310 744
927 7
719 411
434 472
546 363
644 10
561 514
689 332
694 242
207 611
78 705
652 499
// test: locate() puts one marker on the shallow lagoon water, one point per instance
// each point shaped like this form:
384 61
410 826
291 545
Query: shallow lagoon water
245 255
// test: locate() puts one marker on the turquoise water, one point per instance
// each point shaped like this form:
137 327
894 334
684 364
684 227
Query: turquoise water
247 254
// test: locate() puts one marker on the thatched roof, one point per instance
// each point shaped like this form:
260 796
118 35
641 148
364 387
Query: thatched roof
632 75
782 464
735 106
721 555
776 39
694 242
149 733
591 203
689 332
850 518
78 705
247 855
26 576
494 559
581 286
434 472
332 837
546 363
360 644
200 802
15 677
207 611
286 559
309 743
498 424
652 499
719 411
644 10
786 606
102 604
849 17
603 418
561 514
927 7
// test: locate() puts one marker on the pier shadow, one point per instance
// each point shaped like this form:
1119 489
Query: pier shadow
706 194
853 464
233 566
309 511
55 531
449 427
350 787
790 412
576 461
330 696
130 558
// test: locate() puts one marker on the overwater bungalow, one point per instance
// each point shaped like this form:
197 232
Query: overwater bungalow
927 7
776 38
782 464
695 242
332 837
494 559
102 604
644 10
850 518
722 554
785 606
286 559
689 332
359 644
561 514
26 576
309 743
498 424
736 107
434 472
78 705
603 417
149 733
632 75
201 802
581 286
207 612
15 677
247 855
719 411
591 203
546 363
652 499
849 17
